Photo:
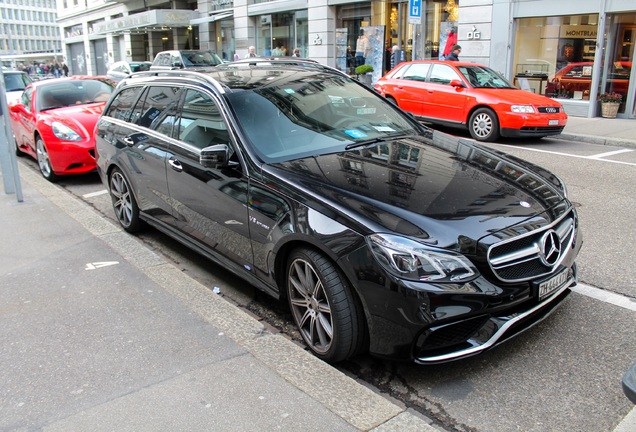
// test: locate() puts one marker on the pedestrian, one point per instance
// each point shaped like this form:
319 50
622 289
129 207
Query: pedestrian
397 56
296 52
251 52
454 54
64 69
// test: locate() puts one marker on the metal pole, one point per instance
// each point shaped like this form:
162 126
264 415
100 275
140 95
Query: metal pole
8 162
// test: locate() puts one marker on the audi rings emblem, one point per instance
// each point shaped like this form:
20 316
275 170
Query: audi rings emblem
550 249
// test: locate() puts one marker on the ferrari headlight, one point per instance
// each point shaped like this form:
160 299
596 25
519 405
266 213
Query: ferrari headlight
408 259
64 132
522 109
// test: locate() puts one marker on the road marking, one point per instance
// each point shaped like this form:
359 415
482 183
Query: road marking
94 194
96 265
602 155
606 296
567 154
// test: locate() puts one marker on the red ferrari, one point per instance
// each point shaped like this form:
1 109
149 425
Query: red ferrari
54 120
473 97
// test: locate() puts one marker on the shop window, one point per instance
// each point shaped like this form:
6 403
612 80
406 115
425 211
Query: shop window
554 56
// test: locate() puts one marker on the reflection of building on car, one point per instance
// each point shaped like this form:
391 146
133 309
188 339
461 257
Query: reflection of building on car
574 81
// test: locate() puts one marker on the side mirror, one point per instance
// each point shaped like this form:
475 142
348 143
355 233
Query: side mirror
177 65
213 156
457 83
16 108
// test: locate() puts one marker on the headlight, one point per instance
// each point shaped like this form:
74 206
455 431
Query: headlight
408 259
64 132
522 109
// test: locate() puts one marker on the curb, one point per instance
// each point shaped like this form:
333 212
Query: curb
356 404
594 139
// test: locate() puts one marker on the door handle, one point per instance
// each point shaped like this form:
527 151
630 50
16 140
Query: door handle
175 164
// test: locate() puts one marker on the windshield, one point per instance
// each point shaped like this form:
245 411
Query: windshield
323 114
200 58
483 77
16 82
72 92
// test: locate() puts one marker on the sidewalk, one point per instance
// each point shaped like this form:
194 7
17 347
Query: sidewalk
598 130
99 333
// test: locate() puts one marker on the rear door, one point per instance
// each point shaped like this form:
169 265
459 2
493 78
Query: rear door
409 88
143 139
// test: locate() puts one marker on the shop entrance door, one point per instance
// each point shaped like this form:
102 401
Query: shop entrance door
619 76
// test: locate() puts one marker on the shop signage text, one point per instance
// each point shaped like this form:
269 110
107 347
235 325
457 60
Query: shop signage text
578 32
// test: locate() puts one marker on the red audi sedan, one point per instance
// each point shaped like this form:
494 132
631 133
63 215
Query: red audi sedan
473 97
53 122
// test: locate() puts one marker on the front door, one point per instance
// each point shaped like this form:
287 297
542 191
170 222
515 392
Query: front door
209 204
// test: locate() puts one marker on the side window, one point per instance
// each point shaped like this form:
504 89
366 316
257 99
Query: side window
417 72
157 109
26 99
122 103
201 123
443 74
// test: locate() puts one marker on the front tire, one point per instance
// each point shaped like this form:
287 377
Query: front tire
124 203
484 125
44 162
329 317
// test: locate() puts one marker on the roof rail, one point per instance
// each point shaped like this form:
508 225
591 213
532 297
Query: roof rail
280 61
196 74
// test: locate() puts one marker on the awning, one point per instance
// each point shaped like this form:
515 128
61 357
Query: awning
211 18
144 20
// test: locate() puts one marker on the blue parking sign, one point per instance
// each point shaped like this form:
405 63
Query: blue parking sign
415 11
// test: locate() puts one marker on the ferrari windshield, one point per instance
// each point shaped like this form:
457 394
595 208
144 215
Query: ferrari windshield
317 114
483 77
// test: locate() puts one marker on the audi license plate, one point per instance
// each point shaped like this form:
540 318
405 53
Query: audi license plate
552 284
553 122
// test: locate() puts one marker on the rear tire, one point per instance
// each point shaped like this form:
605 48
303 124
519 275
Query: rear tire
484 125
124 203
326 312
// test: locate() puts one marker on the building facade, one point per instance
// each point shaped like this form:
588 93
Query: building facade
29 33
570 50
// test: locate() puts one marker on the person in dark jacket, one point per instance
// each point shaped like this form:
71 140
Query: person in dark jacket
454 54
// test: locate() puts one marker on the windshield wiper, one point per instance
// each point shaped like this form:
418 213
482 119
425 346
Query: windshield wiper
370 141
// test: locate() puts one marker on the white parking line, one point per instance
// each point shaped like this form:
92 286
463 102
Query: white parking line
569 155
602 155
94 194
606 296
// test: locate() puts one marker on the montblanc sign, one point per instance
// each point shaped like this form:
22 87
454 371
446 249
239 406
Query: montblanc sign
578 32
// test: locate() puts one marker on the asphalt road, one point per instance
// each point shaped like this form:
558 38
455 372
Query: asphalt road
564 374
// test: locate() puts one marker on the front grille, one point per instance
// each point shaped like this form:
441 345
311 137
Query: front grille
525 257
549 110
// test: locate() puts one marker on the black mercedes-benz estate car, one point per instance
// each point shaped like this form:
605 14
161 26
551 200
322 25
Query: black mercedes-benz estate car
381 234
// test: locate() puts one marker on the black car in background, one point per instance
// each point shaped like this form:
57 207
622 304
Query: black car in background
381 234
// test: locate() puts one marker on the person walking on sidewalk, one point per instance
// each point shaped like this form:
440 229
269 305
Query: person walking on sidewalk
454 54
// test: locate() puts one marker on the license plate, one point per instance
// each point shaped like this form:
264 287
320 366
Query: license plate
553 122
548 286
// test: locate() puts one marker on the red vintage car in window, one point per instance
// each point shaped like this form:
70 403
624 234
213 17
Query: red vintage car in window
575 80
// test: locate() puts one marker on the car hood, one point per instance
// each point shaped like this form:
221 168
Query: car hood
521 97
83 117
446 192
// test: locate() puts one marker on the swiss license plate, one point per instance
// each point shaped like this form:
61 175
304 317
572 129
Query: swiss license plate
553 122
548 286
